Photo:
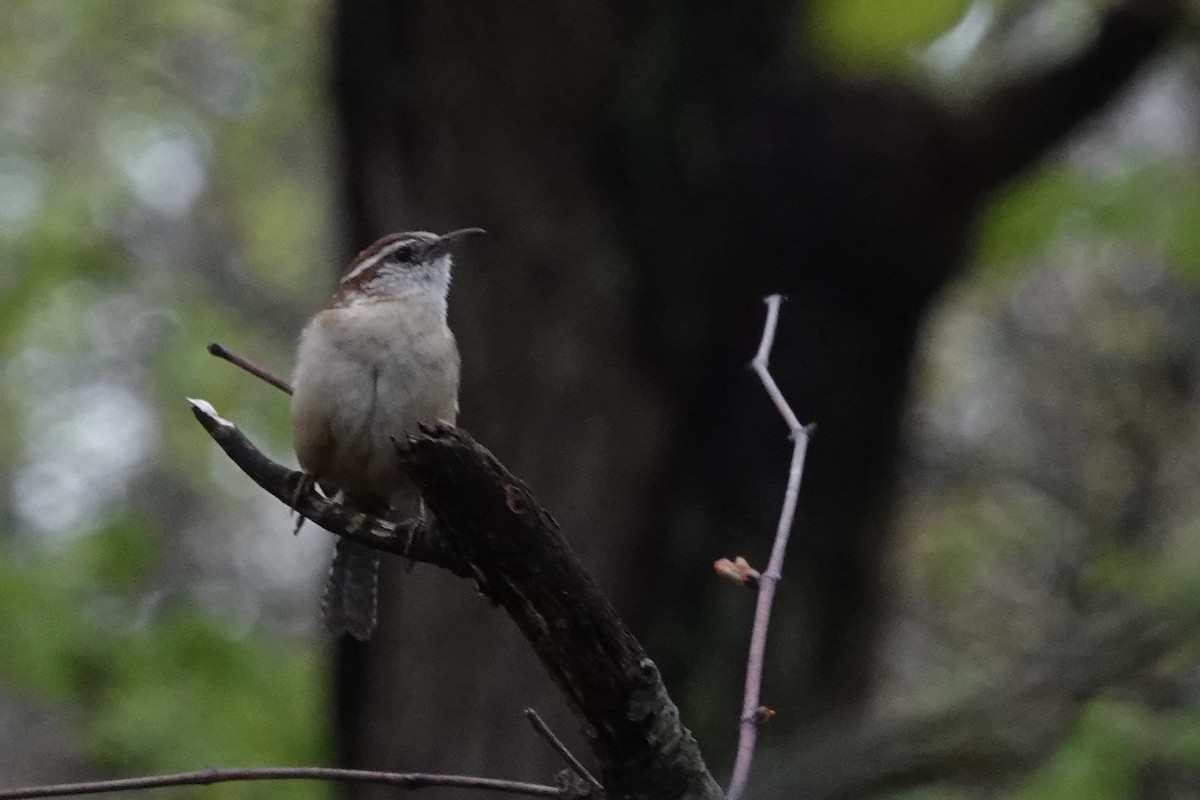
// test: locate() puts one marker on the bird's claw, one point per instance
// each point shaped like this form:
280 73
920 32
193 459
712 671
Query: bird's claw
303 486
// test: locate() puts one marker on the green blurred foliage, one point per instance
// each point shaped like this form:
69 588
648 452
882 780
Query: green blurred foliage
1151 205
1109 747
164 691
1100 758
164 183
982 549
870 36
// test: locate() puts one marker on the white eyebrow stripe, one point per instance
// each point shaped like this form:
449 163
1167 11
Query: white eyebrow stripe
375 259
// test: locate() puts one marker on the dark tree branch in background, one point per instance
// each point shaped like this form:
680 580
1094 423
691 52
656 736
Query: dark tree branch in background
204 777
1011 127
767 580
991 733
491 529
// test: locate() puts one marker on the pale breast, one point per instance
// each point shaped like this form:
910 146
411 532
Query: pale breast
372 372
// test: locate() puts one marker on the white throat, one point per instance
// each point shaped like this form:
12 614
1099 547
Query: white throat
427 283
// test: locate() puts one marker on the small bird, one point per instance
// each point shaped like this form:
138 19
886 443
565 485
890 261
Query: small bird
372 365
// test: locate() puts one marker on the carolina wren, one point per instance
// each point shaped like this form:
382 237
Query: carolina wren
371 365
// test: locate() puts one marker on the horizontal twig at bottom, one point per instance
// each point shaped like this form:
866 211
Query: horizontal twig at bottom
402 780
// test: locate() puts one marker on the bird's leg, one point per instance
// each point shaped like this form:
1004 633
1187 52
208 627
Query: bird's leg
305 485
420 518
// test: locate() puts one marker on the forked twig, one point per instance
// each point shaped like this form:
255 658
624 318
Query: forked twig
403 780
752 713
574 763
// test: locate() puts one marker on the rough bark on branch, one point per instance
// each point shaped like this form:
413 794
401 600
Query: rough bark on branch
525 565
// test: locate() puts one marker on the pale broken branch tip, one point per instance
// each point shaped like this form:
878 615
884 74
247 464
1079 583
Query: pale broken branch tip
204 407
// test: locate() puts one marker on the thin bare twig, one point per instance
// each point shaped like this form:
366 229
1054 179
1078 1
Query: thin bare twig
574 763
220 351
752 713
403 780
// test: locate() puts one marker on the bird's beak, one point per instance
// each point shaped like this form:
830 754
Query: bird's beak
447 240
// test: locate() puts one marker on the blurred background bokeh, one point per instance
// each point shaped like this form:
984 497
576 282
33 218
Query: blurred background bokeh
995 325
164 181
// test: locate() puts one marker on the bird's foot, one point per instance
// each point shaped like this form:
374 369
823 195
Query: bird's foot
305 485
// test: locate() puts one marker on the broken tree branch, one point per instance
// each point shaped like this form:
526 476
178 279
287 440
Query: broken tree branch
416 539
630 723
489 528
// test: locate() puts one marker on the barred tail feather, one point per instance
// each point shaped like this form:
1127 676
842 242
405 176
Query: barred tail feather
351 590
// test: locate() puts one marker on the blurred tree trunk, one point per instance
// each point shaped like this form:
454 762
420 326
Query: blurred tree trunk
647 172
